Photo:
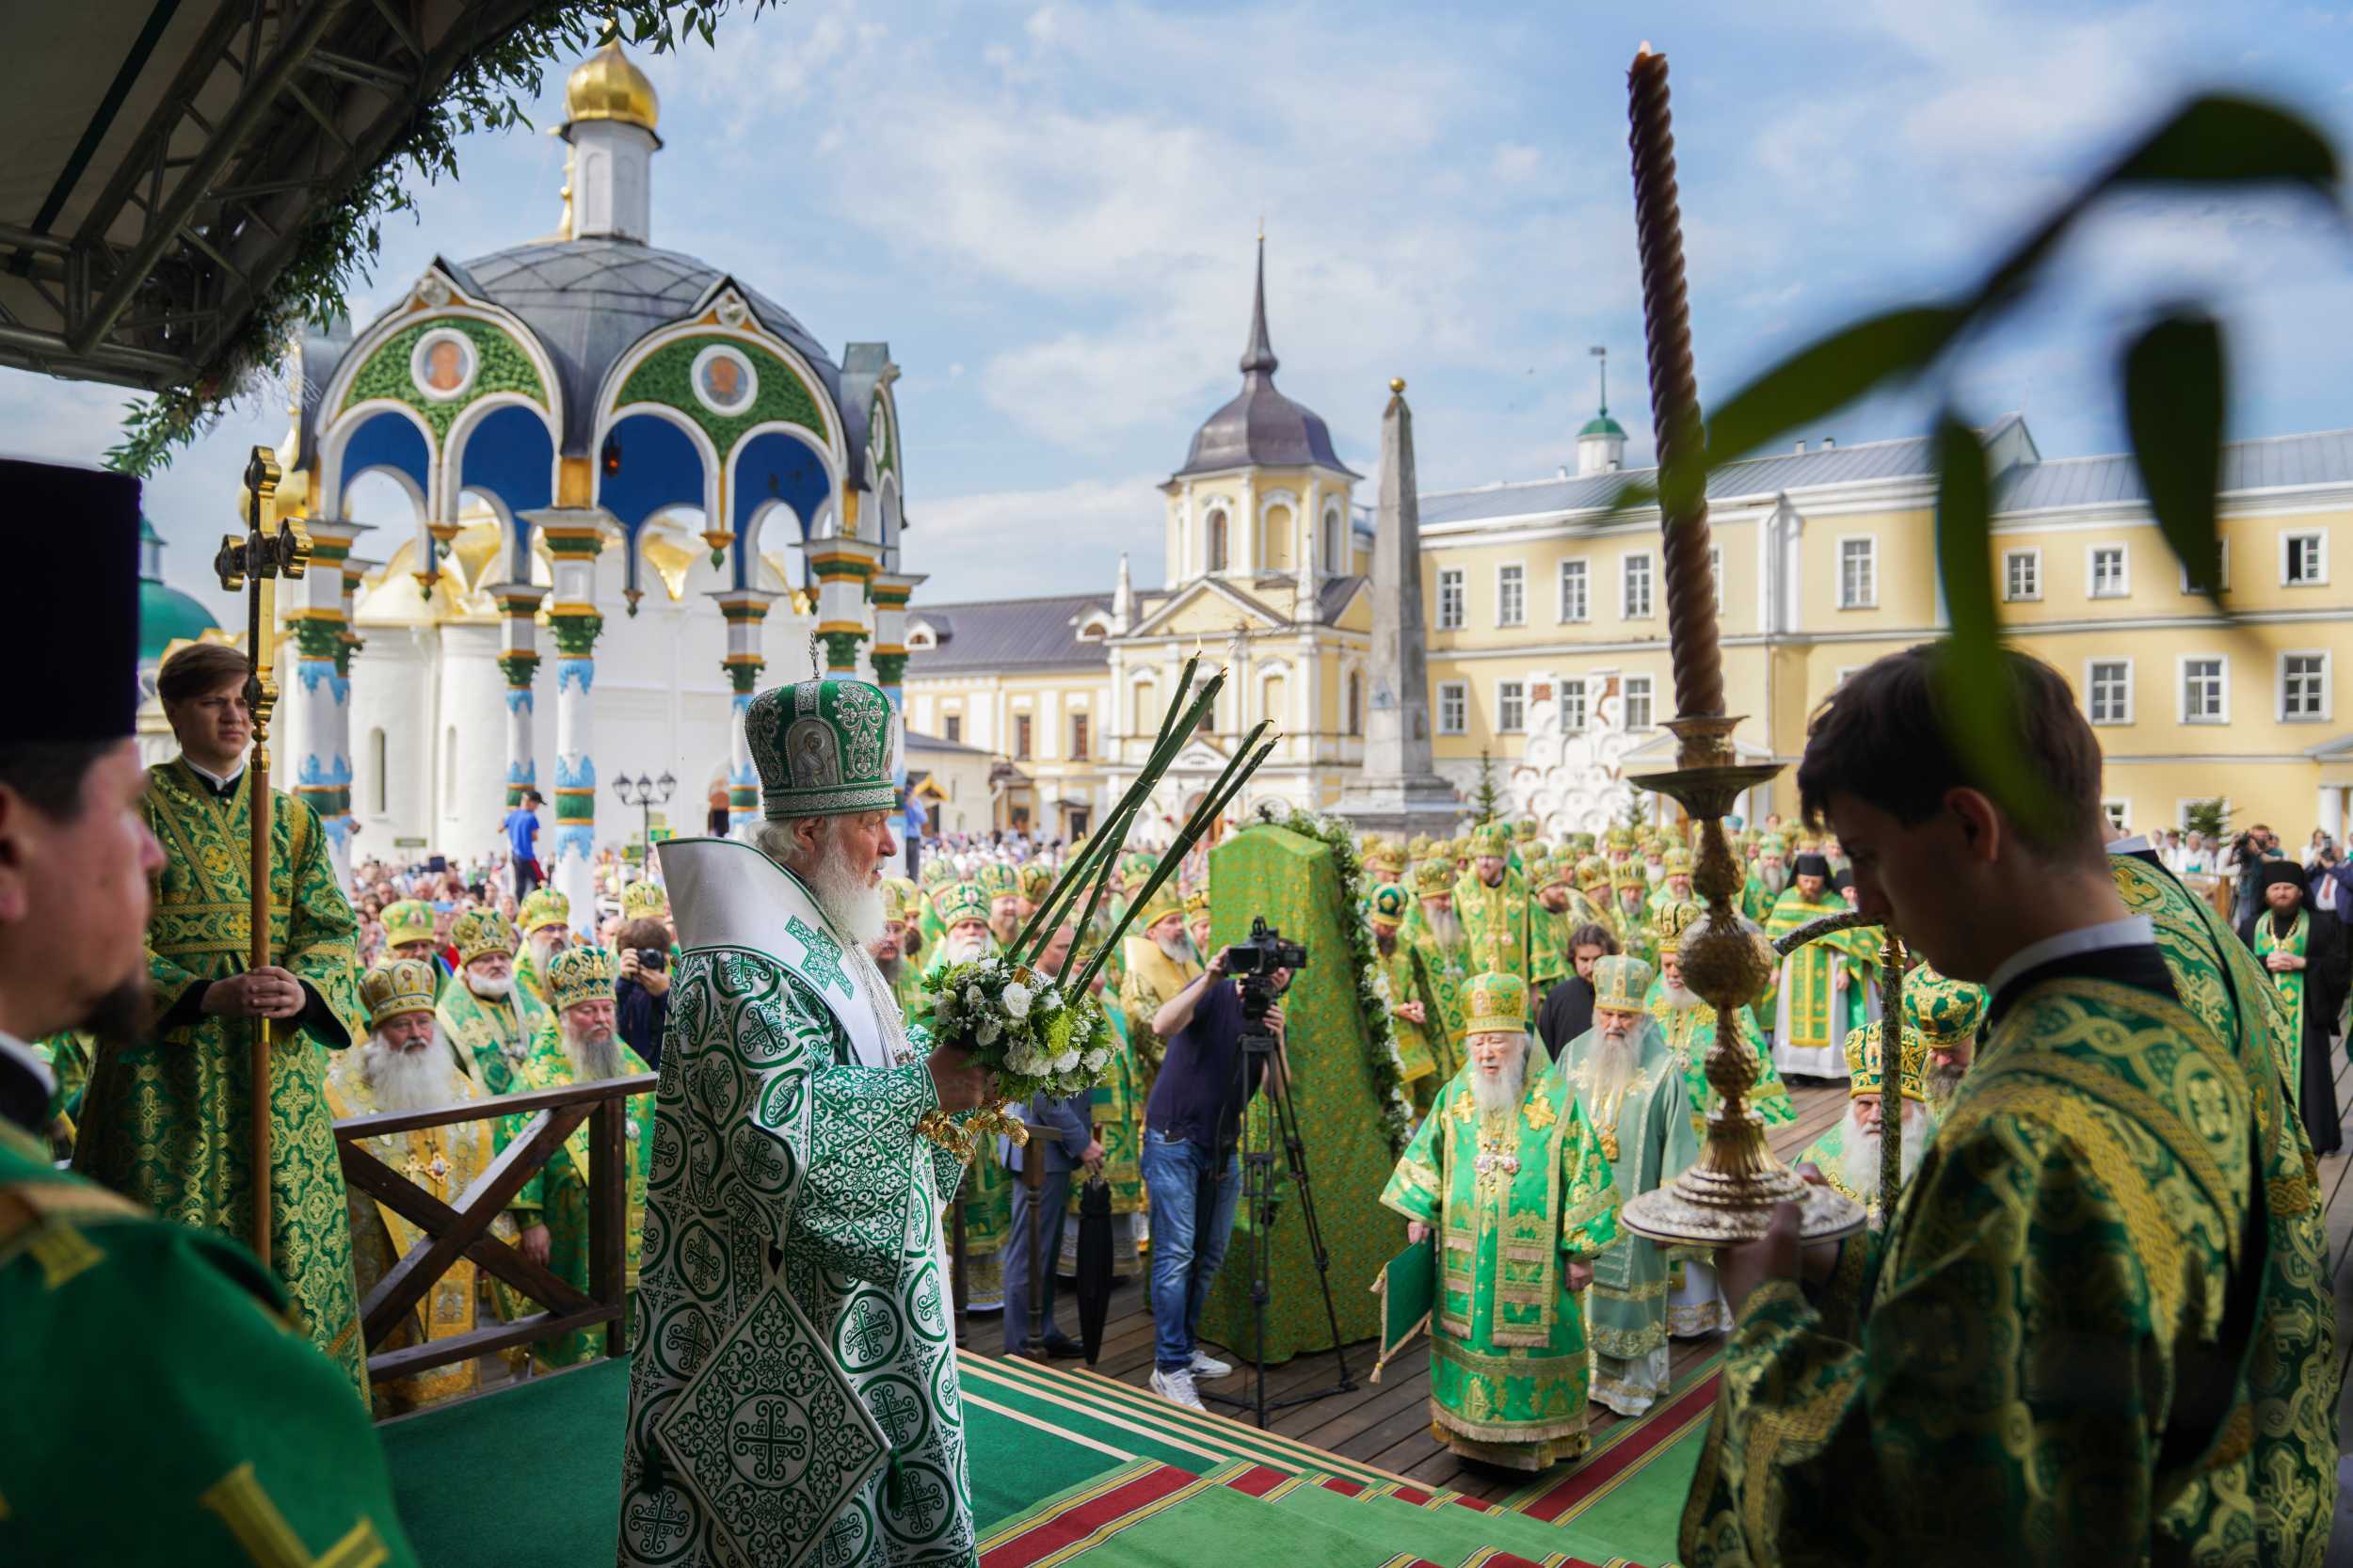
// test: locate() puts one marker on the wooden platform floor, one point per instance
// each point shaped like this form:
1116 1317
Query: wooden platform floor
1389 1425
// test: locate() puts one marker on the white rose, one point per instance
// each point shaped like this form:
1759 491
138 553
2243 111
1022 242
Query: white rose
987 1035
1094 1060
1067 1062
972 996
1016 998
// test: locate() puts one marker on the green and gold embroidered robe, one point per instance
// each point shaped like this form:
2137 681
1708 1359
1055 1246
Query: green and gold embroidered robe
1512 1200
1401 979
2046 1370
163 1404
68 1058
1691 1035
165 1122
1646 1134
1498 926
489 1036
1444 972
1819 988
560 1188
2292 1350
1116 1110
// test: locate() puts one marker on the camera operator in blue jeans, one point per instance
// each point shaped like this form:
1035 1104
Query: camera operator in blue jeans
1193 1126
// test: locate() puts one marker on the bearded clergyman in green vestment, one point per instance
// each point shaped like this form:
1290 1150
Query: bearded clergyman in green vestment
1632 1091
1509 1176
792 1391
2094 1329
165 1121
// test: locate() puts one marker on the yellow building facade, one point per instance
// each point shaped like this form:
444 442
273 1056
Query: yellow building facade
1547 625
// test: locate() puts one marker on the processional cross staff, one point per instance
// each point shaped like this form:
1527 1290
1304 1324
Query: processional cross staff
254 564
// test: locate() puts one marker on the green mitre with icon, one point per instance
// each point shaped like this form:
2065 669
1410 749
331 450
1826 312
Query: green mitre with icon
824 748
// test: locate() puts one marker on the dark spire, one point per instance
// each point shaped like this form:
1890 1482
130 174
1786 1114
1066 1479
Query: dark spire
1258 359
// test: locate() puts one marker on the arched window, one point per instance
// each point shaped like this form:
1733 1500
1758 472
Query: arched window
376 756
1217 540
1356 702
1275 554
1335 556
1270 701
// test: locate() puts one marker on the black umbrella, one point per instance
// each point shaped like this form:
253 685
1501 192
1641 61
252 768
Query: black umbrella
1095 1264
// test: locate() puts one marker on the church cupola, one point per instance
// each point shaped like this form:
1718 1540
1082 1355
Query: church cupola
609 112
1601 445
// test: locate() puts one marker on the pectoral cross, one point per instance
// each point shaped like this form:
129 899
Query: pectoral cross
255 563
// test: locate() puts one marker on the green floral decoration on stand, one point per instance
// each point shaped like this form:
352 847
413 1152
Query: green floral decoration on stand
501 366
1388 1070
667 377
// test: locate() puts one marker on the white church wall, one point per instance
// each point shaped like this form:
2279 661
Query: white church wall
393 694
470 734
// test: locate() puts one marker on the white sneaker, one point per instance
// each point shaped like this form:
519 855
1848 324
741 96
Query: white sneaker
1208 1367
1177 1388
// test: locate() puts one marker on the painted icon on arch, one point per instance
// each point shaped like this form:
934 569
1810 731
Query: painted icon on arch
725 381
443 363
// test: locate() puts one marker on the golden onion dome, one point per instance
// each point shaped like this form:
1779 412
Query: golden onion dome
606 86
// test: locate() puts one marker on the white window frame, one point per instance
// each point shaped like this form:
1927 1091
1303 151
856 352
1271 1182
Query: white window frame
1502 568
1715 574
1459 693
2320 537
2124 569
1584 575
1584 707
2091 668
1650 585
1870 544
1452 577
1508 695
2117 809
1650 702
2181 687
2033 556
2280 686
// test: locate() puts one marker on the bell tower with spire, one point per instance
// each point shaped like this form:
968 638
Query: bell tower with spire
609 112
1601 445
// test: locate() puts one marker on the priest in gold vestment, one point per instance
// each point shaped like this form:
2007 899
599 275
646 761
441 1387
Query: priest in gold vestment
165 1121
2095 1329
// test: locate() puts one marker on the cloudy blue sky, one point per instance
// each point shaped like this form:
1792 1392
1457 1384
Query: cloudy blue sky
1048 211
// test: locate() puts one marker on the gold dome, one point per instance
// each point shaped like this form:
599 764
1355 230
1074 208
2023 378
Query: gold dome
606 86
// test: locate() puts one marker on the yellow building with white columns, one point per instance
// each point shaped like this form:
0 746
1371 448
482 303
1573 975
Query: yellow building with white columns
1547 626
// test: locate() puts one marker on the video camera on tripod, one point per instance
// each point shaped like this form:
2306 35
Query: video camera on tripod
1252 962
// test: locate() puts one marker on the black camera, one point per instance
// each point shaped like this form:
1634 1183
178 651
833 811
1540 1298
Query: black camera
1263 951
656 959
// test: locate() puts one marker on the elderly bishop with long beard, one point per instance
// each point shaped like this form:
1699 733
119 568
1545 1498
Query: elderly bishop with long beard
489 1018
1508 1175
792 1388
408 1064
1848 1156
1632 1090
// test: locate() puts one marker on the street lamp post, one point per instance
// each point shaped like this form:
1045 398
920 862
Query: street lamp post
645 793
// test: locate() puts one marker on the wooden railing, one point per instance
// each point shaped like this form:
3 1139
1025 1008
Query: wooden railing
463 1231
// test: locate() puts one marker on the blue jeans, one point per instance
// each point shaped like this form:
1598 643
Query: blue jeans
1192 1218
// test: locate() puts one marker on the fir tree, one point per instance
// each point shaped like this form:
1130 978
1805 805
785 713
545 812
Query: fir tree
1486 801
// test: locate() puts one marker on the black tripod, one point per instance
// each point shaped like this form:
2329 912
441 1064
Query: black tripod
1258 1199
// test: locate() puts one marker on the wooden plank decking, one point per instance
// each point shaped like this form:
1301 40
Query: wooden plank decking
1389 1425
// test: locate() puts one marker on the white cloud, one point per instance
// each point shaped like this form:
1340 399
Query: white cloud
1011 544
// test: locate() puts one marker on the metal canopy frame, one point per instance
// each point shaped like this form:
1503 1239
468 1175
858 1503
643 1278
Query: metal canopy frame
275 112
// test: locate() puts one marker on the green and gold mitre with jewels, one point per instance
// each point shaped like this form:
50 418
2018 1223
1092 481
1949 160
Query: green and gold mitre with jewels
1621 982
824 748
544 908
1433 876
1675 862
960 902
1674 918
1592 871
1862 1063
1390 904
1035 880
644 900
1617 838
1628 874
996 879
479 933
1136 868
406 920
1419 847
1385 860
1524 831
900 898
937 871
1494 1005
1941 1008
397 986
1167 899
581 974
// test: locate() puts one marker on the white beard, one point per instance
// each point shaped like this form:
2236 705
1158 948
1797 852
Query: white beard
1773 878
1678 995
593 1059
544 947
489 989
1859 1163
1447 926
1503 1092
1178 949
967 950
424 1079
1610 1065
850 896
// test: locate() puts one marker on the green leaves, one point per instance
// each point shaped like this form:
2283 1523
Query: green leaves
1976 700
2175 390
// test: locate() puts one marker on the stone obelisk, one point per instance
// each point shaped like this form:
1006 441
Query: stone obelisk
1399 791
